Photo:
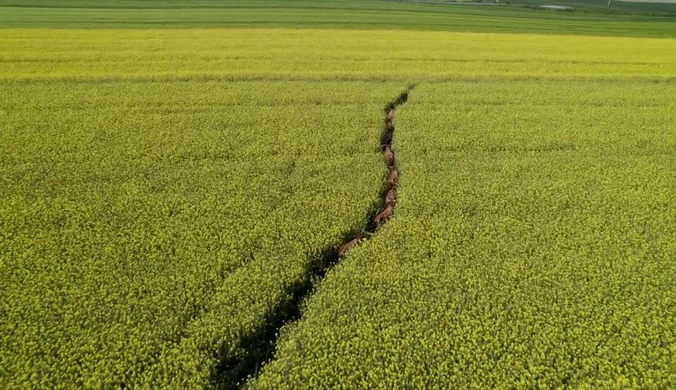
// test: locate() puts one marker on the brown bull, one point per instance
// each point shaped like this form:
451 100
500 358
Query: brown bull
345 247
389 126
389 156
393 177
384 215
390 197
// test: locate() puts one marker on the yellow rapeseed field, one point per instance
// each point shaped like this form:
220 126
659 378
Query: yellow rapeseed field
161 192
326 54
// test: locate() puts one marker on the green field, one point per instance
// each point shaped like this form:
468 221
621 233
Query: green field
172 174
589 18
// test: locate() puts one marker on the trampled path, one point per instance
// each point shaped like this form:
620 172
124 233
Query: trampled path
260 346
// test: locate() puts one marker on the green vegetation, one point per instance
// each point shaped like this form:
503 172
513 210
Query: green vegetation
625 19
601 6
588 6
532 247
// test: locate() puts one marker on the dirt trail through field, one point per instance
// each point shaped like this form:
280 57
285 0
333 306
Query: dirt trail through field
259 347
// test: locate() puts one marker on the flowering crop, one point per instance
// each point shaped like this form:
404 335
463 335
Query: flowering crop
283 54
161 191
145 226
533 247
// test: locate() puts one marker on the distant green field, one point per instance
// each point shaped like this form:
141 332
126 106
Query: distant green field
601 6
589 18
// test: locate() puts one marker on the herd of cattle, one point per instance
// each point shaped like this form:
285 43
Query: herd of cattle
392 178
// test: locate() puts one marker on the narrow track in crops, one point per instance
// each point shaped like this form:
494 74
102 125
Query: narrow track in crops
259 347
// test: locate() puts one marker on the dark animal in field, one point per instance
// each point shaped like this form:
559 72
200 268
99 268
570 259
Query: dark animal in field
389 126
384 215
389 156
390 197
403 98
345 247
393 177
386 139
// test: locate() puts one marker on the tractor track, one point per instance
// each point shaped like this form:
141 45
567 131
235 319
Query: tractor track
259 346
